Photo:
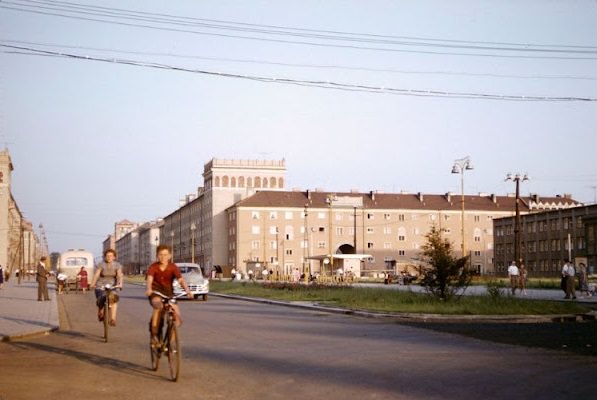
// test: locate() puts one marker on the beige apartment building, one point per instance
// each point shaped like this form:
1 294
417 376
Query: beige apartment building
197 230
19 245
283 231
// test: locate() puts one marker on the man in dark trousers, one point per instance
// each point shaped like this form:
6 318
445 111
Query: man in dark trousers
42 280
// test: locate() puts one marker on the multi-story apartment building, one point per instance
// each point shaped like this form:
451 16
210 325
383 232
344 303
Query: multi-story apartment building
548 238
19 245
197 230
149 238
283 230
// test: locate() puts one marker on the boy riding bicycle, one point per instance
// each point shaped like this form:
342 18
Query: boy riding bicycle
160 276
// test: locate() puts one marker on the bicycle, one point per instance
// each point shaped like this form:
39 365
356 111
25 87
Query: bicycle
167 341
108 289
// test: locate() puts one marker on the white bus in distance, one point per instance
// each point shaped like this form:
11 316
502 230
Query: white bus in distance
70 263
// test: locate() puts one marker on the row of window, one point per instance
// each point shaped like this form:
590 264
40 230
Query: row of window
257 182
339 216
554 225
542 246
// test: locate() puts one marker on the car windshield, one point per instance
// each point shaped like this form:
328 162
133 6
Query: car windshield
186 270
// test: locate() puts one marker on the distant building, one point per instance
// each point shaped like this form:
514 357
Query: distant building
19 245
548 238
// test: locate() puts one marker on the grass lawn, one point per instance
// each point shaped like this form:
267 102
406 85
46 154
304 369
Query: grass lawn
394 301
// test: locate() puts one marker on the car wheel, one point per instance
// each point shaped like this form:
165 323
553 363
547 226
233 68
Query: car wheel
204 297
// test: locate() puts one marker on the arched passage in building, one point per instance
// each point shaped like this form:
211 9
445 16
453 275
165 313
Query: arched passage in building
346 249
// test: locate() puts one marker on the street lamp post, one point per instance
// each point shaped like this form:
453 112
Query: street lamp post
306 246
517 236
193 229
459 167
172 243
330 199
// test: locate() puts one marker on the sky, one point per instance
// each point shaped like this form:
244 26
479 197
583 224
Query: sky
367 95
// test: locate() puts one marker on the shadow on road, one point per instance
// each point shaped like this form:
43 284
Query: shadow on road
101 361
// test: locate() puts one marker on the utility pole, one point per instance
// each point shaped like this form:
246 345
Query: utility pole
517 236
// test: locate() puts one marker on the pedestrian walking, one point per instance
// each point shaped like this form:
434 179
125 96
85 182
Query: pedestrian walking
583 280
522 273
514 275
42 280
83 279
1 277
568 274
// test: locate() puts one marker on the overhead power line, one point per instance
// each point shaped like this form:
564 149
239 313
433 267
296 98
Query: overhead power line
310 83
310 66
167 22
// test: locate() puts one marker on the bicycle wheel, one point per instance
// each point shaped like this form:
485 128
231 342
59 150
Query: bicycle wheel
173 351
106 318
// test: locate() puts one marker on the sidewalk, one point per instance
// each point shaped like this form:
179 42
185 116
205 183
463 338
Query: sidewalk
22 315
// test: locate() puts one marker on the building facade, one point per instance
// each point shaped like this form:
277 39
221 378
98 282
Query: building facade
19 244
197 230
285 230
548 238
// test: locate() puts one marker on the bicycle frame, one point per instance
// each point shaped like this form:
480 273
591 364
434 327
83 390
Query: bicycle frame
168 339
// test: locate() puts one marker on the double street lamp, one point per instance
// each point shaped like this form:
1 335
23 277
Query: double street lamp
517 236
461 165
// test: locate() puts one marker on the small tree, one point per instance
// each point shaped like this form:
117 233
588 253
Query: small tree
446 275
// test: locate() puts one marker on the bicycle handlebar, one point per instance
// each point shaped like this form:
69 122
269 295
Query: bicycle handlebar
163 296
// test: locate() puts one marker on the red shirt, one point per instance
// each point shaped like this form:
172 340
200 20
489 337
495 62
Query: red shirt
162 280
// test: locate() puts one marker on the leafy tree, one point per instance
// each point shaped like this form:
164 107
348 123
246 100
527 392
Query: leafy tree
446 276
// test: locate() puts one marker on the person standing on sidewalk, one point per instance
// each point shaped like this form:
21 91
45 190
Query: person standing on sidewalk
522 272
514 275
568 273
42 280
1 277
583 281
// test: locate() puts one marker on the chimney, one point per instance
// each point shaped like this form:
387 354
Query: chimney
493 198
420 196
308 194
372 194
449 197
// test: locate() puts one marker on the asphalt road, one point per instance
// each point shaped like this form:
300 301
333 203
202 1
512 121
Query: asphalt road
244 350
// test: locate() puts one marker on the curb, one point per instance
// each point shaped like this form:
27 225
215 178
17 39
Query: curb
413 317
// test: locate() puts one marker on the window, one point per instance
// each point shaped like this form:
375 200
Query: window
477 218
387 245
401 253
369 245
255 244
255 230
447 231
273 230
477 253
339 217
446 217
387 230
400 217
339 230
402 238
321 245
288 215
288 252
370 216
273 245
370 230
432 217
321 215
322 229
387 216
255 214
273 215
